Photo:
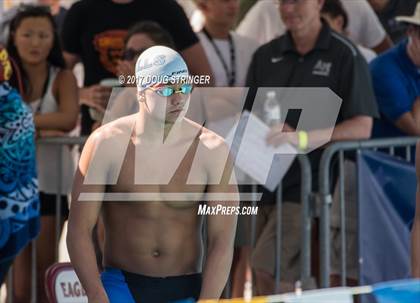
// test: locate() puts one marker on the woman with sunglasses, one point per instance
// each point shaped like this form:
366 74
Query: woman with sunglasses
51 93
140 37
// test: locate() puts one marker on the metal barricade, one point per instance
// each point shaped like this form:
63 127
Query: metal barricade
306 226
326 196
59 142
306 218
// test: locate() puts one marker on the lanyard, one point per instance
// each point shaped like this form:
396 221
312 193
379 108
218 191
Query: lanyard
231 76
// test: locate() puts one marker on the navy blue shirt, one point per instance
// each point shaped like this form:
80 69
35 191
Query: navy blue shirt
348 77
396 81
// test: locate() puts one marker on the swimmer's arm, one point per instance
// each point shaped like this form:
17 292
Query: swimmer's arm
82 219
220 240
220 233
415 235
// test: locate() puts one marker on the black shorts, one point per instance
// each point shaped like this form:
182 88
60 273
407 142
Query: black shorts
48 205
122 286
4 269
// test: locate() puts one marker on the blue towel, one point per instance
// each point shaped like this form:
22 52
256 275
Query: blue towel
19 201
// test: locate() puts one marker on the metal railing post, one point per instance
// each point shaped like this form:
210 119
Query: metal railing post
342 219
325 190
408 153
10 285
58 200
324 224
279 205
34 281
254 190
253 240
306 217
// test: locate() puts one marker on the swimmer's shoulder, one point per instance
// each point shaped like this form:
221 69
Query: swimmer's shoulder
109 136
119 128
108 143
214 154
209 139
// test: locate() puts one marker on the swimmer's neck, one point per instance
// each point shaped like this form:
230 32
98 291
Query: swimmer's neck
151 130
166 129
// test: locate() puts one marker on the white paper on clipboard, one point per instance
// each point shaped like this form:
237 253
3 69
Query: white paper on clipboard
266 164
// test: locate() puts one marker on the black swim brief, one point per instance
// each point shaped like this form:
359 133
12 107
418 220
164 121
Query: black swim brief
125 287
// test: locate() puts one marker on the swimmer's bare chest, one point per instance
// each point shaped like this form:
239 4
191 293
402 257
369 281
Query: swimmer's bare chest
152 238
160 236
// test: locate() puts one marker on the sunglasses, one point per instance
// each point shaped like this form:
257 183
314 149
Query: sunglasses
130 53
33 8
167 91
283 2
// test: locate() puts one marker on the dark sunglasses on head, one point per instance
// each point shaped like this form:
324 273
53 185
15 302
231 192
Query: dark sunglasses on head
130 53
27 7
282 2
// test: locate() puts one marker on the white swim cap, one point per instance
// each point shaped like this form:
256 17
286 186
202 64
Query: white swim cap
159 64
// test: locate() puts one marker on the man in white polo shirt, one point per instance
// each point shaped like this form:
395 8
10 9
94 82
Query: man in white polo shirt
364 27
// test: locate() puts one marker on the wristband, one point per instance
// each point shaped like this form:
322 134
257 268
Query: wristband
302 140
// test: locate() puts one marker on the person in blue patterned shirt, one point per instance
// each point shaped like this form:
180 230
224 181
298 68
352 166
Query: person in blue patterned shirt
19 201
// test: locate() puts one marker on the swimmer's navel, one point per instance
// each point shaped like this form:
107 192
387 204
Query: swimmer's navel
156 253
